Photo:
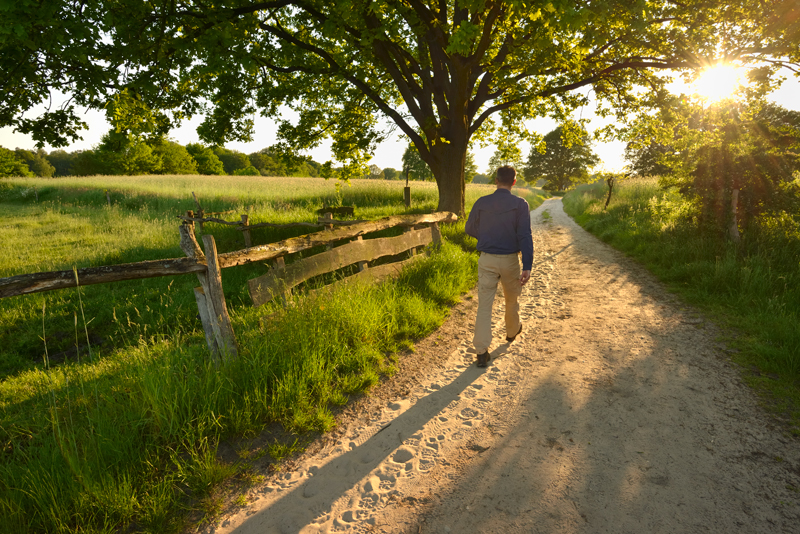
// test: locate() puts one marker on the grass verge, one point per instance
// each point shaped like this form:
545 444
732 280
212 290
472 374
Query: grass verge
753 287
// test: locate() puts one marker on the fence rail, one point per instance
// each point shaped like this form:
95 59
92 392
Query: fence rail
48 281
207 264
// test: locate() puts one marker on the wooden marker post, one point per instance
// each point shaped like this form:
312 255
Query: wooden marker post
407 193
108 198
246 230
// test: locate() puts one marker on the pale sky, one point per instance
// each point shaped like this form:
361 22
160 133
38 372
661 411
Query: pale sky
388 153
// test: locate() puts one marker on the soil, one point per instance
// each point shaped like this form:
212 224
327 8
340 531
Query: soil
615 410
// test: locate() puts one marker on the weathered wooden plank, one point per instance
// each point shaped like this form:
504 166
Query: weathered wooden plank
265 288
206 320
213 292
305 242
374 274
34 283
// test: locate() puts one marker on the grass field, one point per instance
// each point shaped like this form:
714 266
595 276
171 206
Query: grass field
110 411
753 287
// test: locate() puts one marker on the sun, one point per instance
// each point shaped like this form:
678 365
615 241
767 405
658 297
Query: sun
718 82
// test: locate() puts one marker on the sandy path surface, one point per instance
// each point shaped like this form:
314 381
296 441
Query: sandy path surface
616 410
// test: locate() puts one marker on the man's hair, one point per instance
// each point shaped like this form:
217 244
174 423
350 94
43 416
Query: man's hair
506 175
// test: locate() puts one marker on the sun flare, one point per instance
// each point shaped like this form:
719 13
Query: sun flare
718 82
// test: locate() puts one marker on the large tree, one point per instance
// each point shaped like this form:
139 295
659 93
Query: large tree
438 70
564 160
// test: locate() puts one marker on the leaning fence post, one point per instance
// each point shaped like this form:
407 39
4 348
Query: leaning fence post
213 292
246 230
209 296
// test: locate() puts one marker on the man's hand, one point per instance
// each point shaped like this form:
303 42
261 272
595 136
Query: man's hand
524 277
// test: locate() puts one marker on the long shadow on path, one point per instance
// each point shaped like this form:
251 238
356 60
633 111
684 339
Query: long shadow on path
316 495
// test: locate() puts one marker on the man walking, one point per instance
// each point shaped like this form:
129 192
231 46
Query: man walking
501 222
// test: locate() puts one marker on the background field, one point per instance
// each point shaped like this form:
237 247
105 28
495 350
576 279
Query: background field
111 411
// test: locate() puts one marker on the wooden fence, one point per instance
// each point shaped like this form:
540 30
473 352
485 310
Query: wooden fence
278 281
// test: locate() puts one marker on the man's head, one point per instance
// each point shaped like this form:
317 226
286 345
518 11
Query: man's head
506 176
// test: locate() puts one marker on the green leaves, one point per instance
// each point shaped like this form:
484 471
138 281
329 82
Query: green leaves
463 38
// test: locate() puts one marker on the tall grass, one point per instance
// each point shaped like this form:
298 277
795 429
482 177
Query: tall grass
110 409
753 286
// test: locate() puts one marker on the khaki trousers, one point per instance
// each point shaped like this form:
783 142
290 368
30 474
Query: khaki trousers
492 268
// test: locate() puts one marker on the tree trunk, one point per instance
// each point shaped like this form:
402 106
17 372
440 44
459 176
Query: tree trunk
734 228
448 170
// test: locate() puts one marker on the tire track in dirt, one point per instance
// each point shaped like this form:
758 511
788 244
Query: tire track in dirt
614 411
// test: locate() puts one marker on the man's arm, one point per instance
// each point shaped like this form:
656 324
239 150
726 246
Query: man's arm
473 222
524 237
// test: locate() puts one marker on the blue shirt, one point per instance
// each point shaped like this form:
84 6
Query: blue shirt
502 224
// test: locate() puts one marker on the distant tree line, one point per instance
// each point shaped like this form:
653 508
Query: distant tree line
126 154
560 161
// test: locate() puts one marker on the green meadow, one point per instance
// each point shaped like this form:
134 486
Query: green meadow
111 411
752 287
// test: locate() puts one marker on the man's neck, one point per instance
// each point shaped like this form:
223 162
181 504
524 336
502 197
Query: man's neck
506 187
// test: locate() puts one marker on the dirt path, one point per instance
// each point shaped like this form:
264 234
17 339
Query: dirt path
615 411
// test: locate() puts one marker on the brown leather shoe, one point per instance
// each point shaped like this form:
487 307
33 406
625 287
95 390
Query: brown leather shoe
512 338
483 359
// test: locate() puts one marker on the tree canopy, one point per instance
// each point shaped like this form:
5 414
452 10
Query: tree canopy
563 162
734 161
439 71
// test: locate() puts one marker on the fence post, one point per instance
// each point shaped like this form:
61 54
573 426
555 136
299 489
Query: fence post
209 296
199 211
35 192
246 230
328 228
215 298
436 234
108 198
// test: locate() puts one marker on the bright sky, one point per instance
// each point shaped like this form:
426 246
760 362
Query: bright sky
389 153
